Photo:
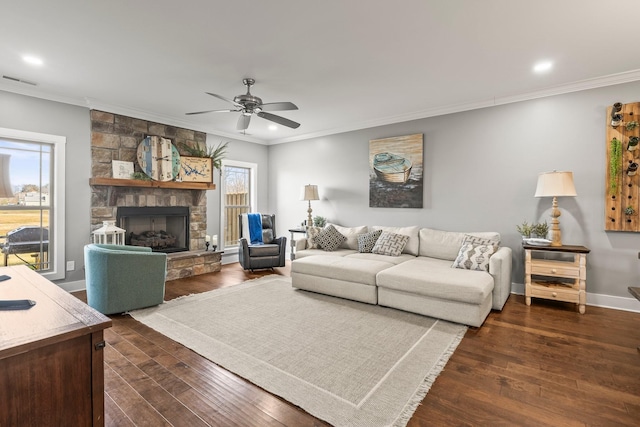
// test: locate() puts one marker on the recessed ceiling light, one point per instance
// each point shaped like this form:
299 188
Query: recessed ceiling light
273 127
32 60
543 67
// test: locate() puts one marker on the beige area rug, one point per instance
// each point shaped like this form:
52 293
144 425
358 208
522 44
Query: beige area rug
348 363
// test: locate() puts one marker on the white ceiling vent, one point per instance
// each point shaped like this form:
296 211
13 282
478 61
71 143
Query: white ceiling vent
17 80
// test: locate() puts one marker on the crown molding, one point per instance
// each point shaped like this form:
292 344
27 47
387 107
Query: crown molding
610 80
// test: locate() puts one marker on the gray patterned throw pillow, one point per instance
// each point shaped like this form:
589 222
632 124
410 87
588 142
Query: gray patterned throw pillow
390 244
312 233
474 256
367 241
330 239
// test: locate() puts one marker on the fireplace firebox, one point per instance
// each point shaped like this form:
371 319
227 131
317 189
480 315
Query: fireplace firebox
163 229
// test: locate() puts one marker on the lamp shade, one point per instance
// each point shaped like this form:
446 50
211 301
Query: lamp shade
555 184
310 192
5 181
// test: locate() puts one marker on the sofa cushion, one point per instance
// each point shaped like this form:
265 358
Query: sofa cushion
330 239
312 233
340 268
366 241
435 278
412 246
351 234
474 256
390 244
386 258
264 250
446 244
313 252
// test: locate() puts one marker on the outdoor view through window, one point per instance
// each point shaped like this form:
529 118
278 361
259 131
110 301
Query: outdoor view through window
25 203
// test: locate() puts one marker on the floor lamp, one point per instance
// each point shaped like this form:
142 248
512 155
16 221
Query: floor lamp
310 193
555 184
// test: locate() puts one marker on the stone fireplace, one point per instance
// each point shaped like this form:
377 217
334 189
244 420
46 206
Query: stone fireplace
116 137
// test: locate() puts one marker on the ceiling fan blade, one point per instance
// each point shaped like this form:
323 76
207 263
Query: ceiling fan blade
225 99
278 119
212 111
278 106
243 122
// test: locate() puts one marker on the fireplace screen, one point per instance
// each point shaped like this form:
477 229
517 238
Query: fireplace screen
163 229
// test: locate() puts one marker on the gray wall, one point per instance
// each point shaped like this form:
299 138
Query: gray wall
480 173
37 115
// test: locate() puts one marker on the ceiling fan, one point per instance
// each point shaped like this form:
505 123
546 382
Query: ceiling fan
248 105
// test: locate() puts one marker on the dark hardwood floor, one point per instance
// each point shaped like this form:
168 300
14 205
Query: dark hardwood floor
543 365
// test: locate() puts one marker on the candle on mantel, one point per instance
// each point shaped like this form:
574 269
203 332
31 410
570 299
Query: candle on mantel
214 240
207 238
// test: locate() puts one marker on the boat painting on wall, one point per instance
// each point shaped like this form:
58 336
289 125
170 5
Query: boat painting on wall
395 172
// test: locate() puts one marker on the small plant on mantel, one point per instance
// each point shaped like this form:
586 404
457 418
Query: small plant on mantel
217 154
140 176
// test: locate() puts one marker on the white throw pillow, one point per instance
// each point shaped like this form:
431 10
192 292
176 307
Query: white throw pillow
390 244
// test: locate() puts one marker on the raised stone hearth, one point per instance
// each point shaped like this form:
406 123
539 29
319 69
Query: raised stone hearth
116 137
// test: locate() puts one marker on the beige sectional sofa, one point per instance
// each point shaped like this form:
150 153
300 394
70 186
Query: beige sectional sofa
420 280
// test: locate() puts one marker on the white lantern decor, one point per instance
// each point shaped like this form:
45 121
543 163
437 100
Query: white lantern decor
109 234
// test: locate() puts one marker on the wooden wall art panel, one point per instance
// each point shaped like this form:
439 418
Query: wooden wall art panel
622 201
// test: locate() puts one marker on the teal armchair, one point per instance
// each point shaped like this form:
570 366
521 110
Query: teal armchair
123 278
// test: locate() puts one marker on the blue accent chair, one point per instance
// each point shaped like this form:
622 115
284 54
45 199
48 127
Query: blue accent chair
123 278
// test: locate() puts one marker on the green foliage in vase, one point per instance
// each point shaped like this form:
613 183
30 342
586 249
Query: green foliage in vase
217 154
525 229
319 221
541 229
615 165
140 176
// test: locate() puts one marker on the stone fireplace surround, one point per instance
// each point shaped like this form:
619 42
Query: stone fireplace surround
116 137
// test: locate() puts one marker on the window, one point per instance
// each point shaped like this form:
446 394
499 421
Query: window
238 196
32 201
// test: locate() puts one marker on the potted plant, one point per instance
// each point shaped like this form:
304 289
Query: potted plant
629 210
216 154
319 221
633 143
631 125
525 229
632 169
541 229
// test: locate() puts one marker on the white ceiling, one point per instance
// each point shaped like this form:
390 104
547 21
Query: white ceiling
346 64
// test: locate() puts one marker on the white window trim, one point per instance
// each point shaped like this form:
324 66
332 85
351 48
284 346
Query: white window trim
59 142
252 199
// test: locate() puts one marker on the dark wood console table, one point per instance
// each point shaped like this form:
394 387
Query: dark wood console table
51 355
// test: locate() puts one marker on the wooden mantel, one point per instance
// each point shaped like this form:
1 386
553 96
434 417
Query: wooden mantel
115 182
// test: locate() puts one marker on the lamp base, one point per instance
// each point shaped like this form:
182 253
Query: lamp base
556 235
309 218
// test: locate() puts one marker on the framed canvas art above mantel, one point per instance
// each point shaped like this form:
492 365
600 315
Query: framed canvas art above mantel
195 169
395 172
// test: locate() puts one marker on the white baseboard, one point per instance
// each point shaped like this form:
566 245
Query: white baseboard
596 300
78 285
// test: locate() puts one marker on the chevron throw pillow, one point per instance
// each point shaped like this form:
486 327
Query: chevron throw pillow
390 244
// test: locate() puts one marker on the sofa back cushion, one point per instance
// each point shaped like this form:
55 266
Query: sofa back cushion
412 246
351 234
446 244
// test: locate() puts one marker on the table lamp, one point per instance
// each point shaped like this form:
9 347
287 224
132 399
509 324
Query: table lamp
555 184
5 179
310 193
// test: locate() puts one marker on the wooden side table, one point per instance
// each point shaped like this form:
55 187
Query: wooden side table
542 275
293 231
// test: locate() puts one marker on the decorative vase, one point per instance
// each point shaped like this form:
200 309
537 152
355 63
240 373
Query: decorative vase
632 169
